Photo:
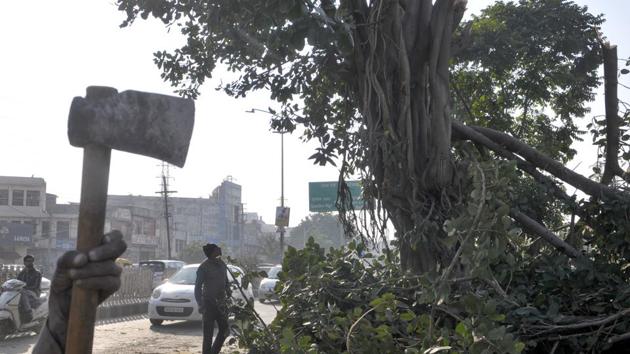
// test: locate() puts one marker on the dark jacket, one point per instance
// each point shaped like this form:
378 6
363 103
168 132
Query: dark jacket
33 279
212 282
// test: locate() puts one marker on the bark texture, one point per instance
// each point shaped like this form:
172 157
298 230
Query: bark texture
403 84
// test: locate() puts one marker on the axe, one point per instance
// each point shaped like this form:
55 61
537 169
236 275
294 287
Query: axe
144 123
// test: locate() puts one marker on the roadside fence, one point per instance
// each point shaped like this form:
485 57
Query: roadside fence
133 296
136 286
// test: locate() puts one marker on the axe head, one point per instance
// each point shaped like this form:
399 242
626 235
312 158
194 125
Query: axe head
142 123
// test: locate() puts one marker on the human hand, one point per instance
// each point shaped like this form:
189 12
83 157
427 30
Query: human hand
201 308
95 270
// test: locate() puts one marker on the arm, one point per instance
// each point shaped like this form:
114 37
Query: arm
37 284
95 270
199 285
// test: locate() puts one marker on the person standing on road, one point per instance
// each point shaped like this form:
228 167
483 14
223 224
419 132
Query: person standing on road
30 294
212 289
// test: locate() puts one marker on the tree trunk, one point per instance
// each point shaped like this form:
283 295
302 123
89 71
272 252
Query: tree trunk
403 88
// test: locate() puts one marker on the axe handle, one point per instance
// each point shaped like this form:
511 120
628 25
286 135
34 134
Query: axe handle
92 209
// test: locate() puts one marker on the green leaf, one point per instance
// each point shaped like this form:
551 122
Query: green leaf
462 330
407 316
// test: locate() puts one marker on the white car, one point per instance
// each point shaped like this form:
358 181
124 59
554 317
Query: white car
175 299
267 285
162 269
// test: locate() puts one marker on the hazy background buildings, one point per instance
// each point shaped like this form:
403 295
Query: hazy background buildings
32 222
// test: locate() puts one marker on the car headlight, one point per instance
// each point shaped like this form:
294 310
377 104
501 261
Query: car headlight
156 293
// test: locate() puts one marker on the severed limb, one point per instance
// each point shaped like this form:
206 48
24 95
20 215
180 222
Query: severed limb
532 226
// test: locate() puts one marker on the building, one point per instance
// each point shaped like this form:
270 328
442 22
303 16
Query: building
22 216
33 222
214 219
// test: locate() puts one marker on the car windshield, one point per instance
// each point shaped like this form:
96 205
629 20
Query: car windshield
273 273
154 266
185 276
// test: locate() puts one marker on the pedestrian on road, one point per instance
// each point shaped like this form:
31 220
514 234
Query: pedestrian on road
95 270
212 289
31 291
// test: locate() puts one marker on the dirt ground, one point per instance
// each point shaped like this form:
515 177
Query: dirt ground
137 336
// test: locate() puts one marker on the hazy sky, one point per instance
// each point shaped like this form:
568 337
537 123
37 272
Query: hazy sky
52 50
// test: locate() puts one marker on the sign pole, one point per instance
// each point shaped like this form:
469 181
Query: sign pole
282 193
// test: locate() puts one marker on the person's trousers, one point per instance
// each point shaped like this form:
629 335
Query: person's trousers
211 315
27 302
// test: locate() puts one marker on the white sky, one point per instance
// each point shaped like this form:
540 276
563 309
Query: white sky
51 50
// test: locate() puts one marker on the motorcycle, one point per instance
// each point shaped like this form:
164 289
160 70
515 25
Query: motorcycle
11 322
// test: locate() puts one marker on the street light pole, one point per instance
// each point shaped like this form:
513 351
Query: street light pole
281 228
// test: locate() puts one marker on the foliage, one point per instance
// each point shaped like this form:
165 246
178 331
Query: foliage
532 82
335 299
324 228
193 253
270 247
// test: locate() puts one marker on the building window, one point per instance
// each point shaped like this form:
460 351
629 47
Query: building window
45 229
18 197
63 230
32 198
4 197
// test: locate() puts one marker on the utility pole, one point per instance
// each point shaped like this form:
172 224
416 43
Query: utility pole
165 192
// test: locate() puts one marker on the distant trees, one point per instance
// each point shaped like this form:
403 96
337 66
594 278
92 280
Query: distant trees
193 253
324 228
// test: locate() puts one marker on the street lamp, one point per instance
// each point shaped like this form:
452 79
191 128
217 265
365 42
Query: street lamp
281 226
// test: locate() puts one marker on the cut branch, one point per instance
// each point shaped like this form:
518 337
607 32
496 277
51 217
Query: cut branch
584 324
531 226
557 169
611 168
465 132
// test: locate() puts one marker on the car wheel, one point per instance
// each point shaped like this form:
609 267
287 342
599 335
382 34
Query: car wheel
155 322
262 300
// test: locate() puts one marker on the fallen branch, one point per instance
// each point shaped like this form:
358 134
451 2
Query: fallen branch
581 325
557 169
532 226
465 132
619 338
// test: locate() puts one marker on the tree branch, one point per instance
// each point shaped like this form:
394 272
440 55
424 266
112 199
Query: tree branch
531 226
557 169
611 168
584 324
465 132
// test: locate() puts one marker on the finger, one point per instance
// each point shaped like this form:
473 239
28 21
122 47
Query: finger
113 246
95 269
106 285
72 259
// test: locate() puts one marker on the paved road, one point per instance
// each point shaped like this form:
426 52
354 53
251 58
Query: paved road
137 336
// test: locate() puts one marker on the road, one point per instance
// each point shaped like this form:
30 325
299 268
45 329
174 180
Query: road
137 336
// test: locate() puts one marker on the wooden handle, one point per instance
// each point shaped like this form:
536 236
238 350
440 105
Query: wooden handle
92 209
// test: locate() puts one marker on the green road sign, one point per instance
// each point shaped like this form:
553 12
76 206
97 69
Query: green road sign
322 196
